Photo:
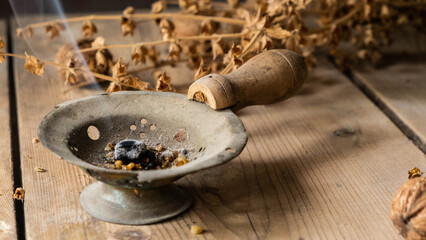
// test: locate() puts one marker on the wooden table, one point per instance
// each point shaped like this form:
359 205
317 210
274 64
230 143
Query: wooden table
323 165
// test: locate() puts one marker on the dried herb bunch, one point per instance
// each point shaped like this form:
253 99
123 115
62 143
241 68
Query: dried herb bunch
223 36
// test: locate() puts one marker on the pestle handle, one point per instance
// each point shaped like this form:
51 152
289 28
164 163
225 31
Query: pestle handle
267 78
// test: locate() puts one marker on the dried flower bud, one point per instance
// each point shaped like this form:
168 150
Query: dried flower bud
99 42
1 43
127 26
102 61
202 70
54 29
119 69
208 27
158 6
174 52
88 28
408 212
2 59
166 28
139 54
163 82
28 32
33 65
70 76
129 11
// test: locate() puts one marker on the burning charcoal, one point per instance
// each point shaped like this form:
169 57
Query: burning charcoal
129 150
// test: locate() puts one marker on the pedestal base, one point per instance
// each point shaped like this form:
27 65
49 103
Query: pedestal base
127 206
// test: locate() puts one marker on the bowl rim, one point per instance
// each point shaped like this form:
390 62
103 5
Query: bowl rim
237 141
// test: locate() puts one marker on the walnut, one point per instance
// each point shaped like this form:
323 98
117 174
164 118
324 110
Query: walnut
408 212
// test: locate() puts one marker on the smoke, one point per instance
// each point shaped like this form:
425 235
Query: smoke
32 11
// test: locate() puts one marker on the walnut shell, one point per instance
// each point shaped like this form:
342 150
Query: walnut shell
408 212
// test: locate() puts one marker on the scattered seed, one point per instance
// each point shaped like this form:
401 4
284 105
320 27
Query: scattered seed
195 229
19 194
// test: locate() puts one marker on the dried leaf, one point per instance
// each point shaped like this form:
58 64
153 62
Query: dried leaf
54 29
413 173
1 43
292 43
33 65
2 59
266 42
158 6
19 194
174 52
202 70
88 28
217 48
139 54
278 32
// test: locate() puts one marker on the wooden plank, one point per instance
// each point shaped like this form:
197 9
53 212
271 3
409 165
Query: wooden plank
7 210
323 165
399 85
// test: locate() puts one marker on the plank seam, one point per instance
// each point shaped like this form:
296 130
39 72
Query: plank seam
14 139
369 93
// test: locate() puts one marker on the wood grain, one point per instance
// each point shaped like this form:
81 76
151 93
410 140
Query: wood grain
399 85
323 165
7 209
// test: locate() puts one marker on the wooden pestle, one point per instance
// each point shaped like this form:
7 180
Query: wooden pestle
267 78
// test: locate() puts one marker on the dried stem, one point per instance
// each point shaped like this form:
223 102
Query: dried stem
151 16
101 76
153 43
